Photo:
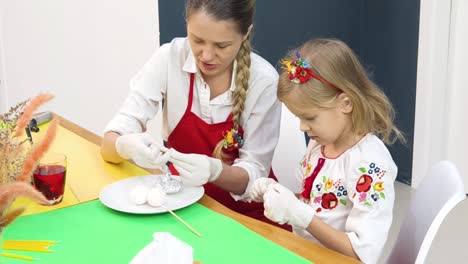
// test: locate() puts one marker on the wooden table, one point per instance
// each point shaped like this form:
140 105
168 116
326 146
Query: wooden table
79 190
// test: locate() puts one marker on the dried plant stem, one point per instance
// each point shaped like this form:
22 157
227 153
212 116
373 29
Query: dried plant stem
18 163
38 151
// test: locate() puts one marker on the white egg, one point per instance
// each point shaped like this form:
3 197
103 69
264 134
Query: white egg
156 197
138 194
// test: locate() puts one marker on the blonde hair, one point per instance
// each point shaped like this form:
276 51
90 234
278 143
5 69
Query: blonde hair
334 61
241 12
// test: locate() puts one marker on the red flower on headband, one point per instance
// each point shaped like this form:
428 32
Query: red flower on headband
299 70
304 74
300 74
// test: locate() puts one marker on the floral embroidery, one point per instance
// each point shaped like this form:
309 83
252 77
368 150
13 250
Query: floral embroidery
318 199
328 184
364 183
329 201
308 169
324 194
362 197
309 180
378 186
370 187
328 194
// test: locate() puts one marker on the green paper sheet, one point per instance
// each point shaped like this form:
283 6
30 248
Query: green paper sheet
93 233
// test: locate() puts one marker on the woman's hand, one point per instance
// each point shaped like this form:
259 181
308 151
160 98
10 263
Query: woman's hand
260 187
195 169
141 148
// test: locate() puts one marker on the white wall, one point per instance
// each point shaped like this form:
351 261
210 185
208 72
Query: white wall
84 52
441 121
457 94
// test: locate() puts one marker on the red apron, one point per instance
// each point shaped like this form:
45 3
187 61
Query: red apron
193 135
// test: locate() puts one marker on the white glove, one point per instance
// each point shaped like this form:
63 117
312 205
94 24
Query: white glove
141 148
282 206
260 187
195 169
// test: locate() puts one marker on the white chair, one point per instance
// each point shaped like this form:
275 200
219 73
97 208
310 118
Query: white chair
439 192
289 151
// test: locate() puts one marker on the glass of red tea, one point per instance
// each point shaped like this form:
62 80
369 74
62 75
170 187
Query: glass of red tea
49 176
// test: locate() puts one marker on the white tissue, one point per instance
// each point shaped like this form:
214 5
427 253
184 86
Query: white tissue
165 249
138 194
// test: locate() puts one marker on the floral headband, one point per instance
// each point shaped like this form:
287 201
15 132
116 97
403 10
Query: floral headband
300 72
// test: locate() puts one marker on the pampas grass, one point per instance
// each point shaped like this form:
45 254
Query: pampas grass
37 152
17 162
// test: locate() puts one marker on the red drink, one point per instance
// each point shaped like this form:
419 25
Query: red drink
49 179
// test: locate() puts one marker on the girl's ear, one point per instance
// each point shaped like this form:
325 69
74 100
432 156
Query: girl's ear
345 104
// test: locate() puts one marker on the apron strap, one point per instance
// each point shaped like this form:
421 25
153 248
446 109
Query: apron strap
190 99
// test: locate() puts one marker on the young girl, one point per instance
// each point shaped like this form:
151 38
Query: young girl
219 103
347 173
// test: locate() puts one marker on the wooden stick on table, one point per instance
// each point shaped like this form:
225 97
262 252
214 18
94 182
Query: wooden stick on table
29 245
182 221
8 255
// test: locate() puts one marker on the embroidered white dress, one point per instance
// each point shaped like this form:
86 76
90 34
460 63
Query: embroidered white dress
354 193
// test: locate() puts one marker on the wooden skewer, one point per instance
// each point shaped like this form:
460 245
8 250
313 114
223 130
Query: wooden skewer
8 255
36 248
31 242
36 241
29 245
182 221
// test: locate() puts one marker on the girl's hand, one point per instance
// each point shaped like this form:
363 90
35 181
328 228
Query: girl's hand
282 206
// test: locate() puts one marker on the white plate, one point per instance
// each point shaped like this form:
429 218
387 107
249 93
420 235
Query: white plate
117 196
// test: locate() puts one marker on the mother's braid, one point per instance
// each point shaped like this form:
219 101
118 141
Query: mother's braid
239 95
242 81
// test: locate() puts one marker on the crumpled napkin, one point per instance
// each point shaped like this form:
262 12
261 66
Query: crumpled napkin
165 249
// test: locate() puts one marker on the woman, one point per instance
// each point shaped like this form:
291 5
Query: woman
221 113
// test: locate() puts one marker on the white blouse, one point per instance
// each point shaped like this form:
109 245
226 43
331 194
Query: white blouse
166 76
353 193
